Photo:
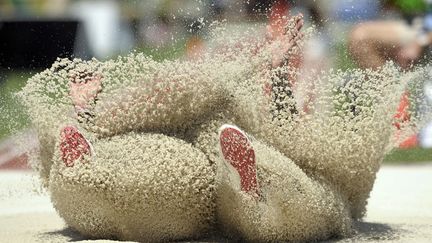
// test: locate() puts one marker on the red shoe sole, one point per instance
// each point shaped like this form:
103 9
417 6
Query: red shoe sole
73 145
238 152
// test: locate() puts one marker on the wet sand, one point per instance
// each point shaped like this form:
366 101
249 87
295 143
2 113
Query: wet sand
400 209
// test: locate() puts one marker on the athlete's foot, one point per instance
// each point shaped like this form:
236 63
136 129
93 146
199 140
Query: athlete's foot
239 156
287 42
285 38
73 145
84 88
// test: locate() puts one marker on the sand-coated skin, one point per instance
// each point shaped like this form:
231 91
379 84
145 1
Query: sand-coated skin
162 192
156 173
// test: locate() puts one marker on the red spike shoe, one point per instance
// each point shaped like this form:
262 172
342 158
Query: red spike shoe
73 145
239 156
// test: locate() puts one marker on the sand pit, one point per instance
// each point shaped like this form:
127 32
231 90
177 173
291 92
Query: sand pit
398 211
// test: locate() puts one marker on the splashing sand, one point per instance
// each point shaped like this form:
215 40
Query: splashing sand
156 173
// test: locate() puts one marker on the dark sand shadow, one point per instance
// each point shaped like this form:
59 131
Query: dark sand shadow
371 232
70 235
364 232
66 234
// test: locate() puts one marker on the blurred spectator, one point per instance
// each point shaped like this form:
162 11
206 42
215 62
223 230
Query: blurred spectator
373 43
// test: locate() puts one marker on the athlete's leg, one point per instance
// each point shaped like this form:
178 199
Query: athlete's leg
147 187
283 203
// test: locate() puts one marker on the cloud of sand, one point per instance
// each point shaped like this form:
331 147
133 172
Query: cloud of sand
154 131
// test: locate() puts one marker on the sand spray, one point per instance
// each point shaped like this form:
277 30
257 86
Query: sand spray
156 173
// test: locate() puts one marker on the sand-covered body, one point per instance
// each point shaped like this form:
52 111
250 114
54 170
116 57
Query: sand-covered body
155 173
129 196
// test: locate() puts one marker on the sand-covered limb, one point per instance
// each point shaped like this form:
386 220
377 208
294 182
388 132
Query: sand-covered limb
146 187
293 207
348 130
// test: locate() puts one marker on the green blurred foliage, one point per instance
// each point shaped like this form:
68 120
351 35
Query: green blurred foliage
411 6
13 115
168 52
409 155
343 59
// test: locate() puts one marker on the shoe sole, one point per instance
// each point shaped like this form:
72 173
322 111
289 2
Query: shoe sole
73 145
239 156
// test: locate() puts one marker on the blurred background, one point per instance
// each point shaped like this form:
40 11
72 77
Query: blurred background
33 33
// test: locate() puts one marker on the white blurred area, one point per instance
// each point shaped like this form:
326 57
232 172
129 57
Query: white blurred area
102 27
426 132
